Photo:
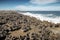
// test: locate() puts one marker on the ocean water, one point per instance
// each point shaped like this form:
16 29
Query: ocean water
50 16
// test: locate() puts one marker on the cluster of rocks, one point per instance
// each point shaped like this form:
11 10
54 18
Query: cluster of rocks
15 26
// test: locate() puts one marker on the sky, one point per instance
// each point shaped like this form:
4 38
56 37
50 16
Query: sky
30 5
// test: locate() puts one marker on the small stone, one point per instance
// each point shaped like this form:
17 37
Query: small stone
25 29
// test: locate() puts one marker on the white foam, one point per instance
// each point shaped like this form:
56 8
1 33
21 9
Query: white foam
44 17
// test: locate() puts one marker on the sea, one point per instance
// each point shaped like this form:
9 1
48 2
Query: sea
50 16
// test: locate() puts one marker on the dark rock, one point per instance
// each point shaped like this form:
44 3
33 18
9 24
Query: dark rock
25 29
15 28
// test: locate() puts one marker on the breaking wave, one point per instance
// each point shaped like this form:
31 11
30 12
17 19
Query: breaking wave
44 17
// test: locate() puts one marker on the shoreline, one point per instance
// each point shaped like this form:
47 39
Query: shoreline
40 17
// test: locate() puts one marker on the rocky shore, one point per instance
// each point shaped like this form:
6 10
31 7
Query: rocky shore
15 26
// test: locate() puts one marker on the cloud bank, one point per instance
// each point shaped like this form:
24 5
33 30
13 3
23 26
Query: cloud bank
42 1
37 8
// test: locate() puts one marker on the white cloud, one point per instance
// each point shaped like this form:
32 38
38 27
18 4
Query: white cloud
37 8
42 1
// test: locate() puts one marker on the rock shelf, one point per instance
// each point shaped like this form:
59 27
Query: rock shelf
15 26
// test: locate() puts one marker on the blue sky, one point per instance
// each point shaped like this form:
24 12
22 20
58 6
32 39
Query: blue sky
30 5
